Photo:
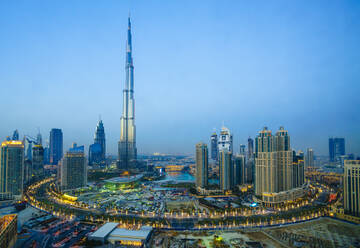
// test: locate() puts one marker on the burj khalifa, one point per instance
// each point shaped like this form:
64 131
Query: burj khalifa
127 152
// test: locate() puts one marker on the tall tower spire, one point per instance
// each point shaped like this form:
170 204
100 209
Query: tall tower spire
127 144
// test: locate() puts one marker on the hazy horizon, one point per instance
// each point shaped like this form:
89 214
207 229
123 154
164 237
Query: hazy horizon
197 64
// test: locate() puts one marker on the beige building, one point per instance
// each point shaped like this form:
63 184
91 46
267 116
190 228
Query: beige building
275 172
201 165
352 187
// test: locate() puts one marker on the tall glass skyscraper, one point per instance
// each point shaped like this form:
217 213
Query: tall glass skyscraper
214 146
127 152
336 148
100 138
97 151
56 145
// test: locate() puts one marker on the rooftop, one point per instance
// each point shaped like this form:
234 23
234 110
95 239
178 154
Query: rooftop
124 179
103 231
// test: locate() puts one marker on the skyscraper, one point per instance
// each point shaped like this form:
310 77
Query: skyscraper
250 148
11 167
73 170
15 135
352 187
225 140
214 146
226 169
38 161
309 159
276 169
239 171
201 165
127 152
242 149
100 138
266 175
336 148
97 151
56 145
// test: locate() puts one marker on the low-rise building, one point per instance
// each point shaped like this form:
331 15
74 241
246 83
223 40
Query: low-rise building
8 230
115 235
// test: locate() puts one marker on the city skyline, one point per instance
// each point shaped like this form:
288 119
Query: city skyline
329 107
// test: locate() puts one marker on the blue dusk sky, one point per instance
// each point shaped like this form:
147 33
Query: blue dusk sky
198 64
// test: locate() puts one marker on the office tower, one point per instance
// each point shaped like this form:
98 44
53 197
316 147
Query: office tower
127 152
100 138
201 165
225 169
27 171
38 161
39 139
56 145
225 140
239 171
15 135
298 173
47 154
250 148
250 170
214 146
11 167
352 187
309 159
336 148
242 149
73 170
274 162
28 144
95 154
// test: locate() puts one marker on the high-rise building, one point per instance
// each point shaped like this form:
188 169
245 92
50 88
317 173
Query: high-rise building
56 145
15 135
38 161
242 149
201 165
336 148
127 152
250 148
225 168
97 151
39 139
298 170
275 167
309 159
225 140
95 154
284 159
352 187
239 170
73 170
214 146
12 167
266 175
47 153
100 138
28 144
